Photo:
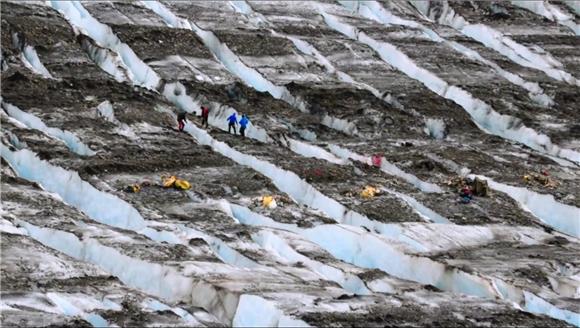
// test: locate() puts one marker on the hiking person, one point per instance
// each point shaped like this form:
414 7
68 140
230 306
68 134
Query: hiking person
232 122
243 124
181 120
204 116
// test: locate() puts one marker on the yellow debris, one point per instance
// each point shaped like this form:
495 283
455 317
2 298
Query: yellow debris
369 192
544 180
182 184
134 188
269 202
174 182
168 182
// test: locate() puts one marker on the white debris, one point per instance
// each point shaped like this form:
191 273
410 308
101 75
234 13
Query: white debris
435 128
105 109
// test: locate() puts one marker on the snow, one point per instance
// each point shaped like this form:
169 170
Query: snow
7 227
371 251
574 5
308 49
84 23
106 110
70 309
241 6
13 139
423 211
99 205
33 122
237 67
157 279
341 125
107 208
177 94
220 249
481 113
155 305
246 216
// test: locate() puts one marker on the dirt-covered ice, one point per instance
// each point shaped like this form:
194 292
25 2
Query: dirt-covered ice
340 207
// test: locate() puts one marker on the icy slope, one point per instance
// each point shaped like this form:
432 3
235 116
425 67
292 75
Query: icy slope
358 134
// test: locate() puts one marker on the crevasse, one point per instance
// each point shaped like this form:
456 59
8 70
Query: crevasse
481 113
33 122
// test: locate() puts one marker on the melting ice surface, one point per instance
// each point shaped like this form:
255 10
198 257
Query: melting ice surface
279 246
367 250
497 41
481 113
223 53
549 11
373 10
31 60
562 217
82 21
33 122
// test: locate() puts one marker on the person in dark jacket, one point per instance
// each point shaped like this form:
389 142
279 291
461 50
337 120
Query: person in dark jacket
243 124
466 194
204 116
181 120
232 122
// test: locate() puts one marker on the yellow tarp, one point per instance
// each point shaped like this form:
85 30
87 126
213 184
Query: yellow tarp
269 202
135 188
369 192
168 182
182 184
174 182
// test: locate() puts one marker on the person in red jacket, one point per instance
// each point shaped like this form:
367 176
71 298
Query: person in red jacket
204 116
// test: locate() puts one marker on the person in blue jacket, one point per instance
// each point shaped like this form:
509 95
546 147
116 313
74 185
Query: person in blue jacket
243 124
232 122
